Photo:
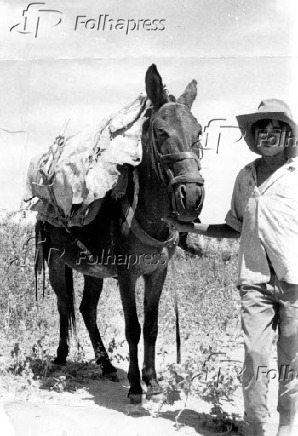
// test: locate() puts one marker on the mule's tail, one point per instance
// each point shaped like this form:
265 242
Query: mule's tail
70 300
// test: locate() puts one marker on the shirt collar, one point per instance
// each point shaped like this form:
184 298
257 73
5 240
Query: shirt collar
290 165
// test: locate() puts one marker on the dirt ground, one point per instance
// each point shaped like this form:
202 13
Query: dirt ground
101 407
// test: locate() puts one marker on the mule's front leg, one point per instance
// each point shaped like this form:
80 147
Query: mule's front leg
60 277
153 288
88 308
132 332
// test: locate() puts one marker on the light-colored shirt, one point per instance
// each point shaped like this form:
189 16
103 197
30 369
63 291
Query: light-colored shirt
267 218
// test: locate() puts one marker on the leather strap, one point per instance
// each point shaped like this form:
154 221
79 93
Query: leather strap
140 233
175 157
187 179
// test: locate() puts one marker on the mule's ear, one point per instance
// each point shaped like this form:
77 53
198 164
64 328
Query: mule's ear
154 87
189 95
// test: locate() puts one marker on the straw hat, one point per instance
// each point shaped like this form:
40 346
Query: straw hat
272 109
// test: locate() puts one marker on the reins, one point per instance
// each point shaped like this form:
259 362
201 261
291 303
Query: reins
176 302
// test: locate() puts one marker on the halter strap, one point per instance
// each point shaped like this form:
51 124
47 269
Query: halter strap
134 226
142 235
176 157
187 179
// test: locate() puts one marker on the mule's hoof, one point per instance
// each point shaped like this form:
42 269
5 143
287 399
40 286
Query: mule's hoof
136 398
112 376
106 367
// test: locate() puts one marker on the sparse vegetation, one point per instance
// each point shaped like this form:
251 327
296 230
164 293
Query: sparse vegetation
209 323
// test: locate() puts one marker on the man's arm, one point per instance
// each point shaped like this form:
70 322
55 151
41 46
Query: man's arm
210 230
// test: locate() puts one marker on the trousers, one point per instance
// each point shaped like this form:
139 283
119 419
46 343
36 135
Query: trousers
265 308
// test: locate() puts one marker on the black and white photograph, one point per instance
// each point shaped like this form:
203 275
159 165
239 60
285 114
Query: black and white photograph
148 217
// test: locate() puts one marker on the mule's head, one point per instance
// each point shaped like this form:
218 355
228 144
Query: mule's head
174 137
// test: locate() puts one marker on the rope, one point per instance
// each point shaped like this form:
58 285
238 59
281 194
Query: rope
176 300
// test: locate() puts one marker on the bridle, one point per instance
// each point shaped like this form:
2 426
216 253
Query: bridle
162 165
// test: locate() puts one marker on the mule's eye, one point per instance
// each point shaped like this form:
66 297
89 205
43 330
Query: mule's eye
162 135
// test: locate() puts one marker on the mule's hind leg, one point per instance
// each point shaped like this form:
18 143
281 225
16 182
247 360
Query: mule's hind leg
88 308
153 288
60 276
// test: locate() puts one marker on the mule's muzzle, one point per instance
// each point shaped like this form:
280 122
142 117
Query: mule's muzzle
186 189
187 200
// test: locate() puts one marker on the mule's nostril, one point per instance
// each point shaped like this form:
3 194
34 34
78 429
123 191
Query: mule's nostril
199 197
183 195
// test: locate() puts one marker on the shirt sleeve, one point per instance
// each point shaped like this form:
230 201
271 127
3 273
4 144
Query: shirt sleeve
234 217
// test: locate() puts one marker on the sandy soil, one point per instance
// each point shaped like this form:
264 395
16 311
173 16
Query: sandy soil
101 407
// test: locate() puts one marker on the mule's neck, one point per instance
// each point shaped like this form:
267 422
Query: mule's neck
153 200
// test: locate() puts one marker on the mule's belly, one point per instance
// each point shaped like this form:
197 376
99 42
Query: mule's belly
106 255
96 270
62 247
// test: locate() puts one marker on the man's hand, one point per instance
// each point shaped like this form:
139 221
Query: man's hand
172 221
210 230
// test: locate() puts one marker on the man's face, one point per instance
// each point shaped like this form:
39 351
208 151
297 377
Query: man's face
271 137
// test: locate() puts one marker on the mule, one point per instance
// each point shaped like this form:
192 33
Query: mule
128 238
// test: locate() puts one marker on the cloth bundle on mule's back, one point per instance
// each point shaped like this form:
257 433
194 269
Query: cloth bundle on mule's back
71 180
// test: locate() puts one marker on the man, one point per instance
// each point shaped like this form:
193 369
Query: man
264 212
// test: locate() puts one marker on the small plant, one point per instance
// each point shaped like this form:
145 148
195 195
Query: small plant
205 378
60 384
19 365
114 351
221 421
181 382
